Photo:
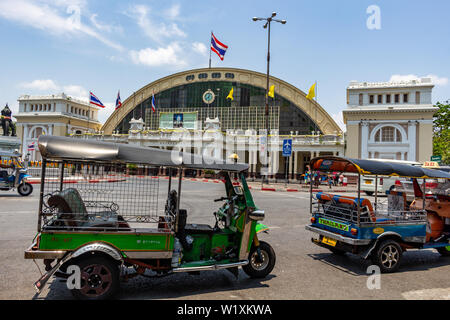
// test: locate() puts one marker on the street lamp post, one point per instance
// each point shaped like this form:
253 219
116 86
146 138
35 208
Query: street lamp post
267 26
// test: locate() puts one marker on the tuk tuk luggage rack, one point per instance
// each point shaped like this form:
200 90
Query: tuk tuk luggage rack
349 214
99 196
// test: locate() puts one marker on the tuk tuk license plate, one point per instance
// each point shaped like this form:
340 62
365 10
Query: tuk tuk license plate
368 181
329 241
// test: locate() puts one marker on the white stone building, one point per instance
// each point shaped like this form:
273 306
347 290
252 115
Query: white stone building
390 120
57 115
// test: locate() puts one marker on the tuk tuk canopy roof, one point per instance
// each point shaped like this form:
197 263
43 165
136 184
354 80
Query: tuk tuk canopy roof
373 167
65 148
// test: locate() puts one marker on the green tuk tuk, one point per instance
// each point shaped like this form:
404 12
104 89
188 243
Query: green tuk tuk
100 214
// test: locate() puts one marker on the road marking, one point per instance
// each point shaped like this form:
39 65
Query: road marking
428 294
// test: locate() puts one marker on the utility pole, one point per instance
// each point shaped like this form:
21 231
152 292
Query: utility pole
267 26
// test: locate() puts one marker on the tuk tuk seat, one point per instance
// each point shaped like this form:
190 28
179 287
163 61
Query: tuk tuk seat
348 202
73 212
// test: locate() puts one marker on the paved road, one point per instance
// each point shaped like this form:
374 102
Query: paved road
302 271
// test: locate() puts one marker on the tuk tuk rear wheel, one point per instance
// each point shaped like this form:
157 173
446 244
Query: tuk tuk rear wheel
99 278
444 251
387 256
260 269
25 189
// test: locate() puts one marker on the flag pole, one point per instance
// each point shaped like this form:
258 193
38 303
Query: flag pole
315 87
210 49
89 112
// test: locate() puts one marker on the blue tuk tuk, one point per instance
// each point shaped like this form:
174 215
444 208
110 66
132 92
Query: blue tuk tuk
377 231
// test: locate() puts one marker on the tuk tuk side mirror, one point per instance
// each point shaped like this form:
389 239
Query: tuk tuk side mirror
257 215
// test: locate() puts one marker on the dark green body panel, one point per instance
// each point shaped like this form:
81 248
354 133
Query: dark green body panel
208 246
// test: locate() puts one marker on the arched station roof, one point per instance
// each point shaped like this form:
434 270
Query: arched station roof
323 120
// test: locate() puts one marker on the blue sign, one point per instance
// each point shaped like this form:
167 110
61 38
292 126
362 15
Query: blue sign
287 147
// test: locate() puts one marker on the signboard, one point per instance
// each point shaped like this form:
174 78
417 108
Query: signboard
438 159
430 164
287 147
178 120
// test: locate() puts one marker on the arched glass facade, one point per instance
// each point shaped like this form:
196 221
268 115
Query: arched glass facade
246 111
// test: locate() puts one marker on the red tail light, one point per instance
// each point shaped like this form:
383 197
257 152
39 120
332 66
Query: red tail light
313 220
381 181
398 183
354 231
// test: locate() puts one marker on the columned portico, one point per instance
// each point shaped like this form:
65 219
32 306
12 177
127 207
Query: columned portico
390 120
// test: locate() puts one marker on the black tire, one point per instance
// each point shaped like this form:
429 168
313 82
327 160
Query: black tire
25 189
369 193
444 251
99 278
255 269
387 256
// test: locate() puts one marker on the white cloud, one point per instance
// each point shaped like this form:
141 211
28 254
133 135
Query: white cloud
169 55
199 47
59 18
105 113
153 30
339 119
77 92
103 26
173 12
49 86
438 81
40 85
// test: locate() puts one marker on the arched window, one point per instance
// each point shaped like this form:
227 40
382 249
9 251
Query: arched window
388 134
37 132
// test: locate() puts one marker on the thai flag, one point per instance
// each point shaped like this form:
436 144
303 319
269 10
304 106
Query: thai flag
218 47
31 147
153 103
118 102
95 101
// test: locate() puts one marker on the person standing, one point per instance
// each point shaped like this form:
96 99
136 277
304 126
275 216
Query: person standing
341 179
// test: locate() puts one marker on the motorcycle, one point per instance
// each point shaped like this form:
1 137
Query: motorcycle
18 179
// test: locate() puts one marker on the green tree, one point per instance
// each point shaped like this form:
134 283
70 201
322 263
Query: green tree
441 132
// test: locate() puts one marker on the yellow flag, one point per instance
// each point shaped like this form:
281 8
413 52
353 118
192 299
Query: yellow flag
271 91
230 95
312 92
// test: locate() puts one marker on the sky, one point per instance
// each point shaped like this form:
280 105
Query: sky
77 46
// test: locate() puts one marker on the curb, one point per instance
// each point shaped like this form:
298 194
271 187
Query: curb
77 181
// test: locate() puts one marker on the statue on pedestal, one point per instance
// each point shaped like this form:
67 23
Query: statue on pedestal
7 122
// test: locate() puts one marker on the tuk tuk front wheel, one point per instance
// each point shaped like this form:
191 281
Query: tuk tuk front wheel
260 268
25 189
387 256
99 279
444 251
